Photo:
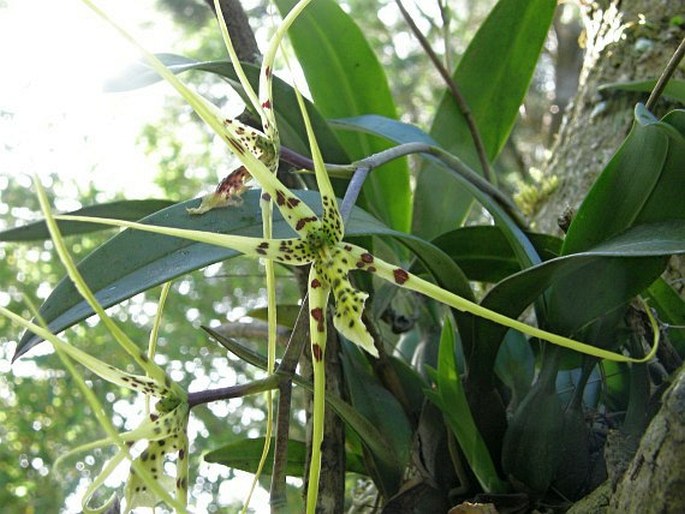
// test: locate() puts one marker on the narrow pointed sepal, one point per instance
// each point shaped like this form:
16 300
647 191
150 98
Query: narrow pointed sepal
347 320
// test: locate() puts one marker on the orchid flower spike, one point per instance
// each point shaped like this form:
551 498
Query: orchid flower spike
164 428
319 242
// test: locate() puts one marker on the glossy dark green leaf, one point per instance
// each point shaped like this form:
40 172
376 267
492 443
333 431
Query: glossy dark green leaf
620 258
288 116
623 189
246 453
382 409
347 80
133 261
493 76
131 210
484 254
641 185
675 89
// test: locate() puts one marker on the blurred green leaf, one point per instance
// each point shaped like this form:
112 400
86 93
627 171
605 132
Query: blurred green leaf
347 80
130 210
246 453
675 89
493 76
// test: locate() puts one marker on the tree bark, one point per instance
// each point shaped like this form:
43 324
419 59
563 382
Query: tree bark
238 25
625 40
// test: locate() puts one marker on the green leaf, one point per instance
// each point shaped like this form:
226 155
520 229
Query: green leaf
493 76
347 80
623 255
671 309
405 133
486 256
130 210
623 188
287 314
288 115
640 188
515 366
134 261
449 396
245 454
675 89
382 409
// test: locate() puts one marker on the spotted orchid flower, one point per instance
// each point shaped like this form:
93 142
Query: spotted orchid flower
164 427
319 243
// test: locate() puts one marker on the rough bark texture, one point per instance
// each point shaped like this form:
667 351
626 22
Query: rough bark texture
625 40
655 479
619 47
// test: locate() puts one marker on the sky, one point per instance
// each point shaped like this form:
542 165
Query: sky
54 115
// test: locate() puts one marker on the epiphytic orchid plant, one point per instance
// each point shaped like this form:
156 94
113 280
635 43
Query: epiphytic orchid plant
164 426
319 240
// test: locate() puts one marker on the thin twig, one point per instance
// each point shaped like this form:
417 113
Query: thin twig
461 102
666 75
238 391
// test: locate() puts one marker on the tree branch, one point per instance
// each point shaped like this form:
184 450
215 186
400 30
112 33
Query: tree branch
462 104
238 25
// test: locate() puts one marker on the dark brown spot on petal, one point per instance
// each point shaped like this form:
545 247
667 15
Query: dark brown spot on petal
317 352
401 276
266 105
367 258
266 197
293 202
280 198
315 283
317 314
236 146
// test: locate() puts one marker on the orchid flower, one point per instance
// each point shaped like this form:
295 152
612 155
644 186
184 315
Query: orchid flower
164 428
319 242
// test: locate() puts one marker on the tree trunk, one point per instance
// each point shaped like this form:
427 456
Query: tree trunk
625 40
